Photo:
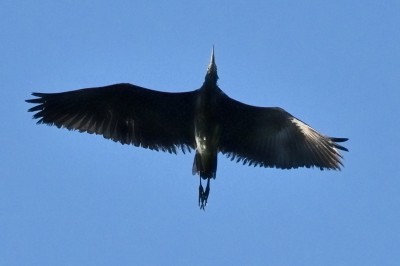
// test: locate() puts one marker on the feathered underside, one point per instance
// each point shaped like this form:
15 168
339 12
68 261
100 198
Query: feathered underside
124 113
207 117
161 121
271 137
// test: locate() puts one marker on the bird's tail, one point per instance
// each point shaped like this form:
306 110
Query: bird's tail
205 166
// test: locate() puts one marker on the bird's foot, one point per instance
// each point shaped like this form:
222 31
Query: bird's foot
203 194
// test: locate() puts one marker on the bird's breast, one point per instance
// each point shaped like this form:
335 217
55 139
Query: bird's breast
205 126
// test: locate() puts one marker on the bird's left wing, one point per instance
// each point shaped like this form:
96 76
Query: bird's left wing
124 113
271 137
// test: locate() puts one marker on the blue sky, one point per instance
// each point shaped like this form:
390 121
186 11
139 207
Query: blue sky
75 199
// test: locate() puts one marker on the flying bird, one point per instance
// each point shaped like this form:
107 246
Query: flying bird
205 120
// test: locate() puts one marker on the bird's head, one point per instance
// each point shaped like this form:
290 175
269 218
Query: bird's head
212 76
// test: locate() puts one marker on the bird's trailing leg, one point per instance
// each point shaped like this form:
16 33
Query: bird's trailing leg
203 194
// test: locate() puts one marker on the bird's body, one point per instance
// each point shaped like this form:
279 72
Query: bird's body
205 120
207 130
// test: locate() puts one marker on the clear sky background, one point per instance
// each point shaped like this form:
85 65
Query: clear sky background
76 199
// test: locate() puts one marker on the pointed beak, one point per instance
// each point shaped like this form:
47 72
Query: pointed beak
212 60
212 67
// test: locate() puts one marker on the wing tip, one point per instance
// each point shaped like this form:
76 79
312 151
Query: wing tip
336 140
39 99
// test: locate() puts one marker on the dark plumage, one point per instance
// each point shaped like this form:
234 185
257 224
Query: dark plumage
205 120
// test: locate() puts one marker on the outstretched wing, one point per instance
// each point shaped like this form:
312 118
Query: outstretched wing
271 137
124 113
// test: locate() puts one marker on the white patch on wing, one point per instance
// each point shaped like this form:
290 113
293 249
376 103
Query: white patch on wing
313 138
305 129
318 141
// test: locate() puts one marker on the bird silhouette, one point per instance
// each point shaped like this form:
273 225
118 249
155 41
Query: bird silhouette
205 120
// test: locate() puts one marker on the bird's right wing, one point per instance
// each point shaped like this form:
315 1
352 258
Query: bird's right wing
124 113
271 137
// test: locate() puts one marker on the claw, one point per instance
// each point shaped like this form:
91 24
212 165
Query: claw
203 195
201 192
207 189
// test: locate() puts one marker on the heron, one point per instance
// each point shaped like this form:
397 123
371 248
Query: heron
205 120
